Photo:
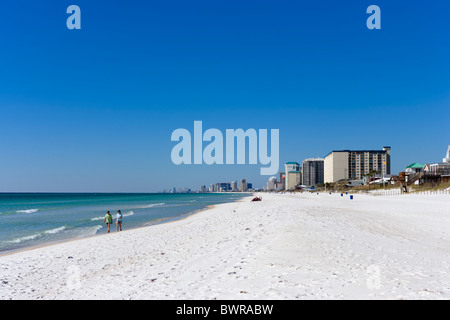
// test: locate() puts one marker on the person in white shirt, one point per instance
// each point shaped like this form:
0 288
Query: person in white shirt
119 220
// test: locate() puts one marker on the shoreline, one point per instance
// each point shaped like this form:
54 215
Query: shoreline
113 230
287 246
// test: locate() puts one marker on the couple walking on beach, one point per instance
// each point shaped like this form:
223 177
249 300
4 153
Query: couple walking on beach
109 220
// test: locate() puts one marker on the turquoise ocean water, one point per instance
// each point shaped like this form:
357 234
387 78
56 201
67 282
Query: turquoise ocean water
30 219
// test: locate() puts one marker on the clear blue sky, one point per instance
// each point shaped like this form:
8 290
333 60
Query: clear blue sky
94 109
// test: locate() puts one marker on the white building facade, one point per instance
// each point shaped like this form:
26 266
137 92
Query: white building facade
293 175
355 164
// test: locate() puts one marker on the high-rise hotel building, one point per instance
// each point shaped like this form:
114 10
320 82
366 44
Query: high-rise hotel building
312 171
354 164
293 175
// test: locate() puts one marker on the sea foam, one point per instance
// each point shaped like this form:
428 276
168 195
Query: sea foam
37 235
127 214
28 211
152 205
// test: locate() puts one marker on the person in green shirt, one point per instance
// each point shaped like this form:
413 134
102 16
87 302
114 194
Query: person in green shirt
108 220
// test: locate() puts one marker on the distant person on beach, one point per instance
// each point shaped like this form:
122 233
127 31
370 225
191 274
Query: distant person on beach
119 220
108 220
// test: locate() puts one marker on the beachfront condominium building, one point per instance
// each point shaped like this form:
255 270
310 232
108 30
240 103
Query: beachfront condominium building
243 186
234 186
271 184
293 175
312 171
355 164
223 187
282 181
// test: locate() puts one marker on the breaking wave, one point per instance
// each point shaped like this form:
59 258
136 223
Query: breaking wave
152 205
28 211
38 235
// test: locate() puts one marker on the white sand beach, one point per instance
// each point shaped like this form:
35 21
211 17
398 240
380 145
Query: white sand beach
288 246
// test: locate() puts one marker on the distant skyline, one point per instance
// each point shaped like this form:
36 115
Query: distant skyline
92 110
